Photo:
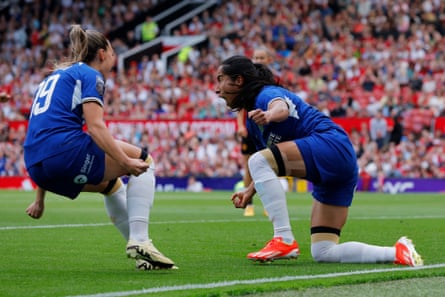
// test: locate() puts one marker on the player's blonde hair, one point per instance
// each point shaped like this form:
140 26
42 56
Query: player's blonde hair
84 45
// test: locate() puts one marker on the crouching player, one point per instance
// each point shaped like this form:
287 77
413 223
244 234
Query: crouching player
294 139
61 158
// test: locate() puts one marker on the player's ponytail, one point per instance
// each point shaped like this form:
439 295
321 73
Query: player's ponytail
84 45
265 74
79 44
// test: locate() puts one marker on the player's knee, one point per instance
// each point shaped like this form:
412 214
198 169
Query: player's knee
112 186
267 159
323 243
257 162
321 251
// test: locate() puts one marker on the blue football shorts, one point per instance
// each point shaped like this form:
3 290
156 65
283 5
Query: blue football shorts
331 166
67 173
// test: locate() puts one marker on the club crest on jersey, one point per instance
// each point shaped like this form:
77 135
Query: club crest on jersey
80 179
100 85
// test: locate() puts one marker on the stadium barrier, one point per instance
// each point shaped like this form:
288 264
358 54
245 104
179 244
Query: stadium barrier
178 184
389 185
229 125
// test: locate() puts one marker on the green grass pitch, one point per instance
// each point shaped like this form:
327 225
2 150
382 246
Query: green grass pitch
73 250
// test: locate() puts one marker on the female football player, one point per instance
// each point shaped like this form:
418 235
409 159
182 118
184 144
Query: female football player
294 139
64 159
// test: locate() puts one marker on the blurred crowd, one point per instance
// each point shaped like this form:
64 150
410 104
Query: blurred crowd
383 60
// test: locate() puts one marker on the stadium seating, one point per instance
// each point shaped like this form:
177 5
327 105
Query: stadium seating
232 27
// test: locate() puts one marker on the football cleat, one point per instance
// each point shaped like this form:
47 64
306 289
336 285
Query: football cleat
145 265
148 252
249 211
406 254
276 249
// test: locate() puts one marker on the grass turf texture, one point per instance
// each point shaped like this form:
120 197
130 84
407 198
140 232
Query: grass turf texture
73 250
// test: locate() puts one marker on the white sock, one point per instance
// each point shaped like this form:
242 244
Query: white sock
116 206
140 197
272 195
352 252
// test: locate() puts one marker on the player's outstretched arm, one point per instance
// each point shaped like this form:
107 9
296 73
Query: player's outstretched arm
101 135
36 208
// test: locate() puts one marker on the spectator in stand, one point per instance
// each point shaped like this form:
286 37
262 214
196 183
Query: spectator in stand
149 29
378 129
4 96
194 185
369 81
397 130
3 161
4 128
195 27
400 57
339 111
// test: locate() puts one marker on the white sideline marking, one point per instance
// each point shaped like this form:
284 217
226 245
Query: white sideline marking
52 226
206 221
253 281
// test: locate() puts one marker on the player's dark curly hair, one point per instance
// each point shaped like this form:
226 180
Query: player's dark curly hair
256 76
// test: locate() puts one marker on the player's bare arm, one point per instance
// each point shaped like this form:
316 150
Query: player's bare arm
278 111
93 114
240 117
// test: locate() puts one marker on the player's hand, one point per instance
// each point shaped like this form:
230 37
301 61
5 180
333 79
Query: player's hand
242 198
35 210
136 167
260 117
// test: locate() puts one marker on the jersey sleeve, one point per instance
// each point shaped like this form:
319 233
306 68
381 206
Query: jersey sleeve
93 88
266 96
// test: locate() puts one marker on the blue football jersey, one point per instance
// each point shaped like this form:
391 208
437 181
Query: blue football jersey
56 118
303 119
